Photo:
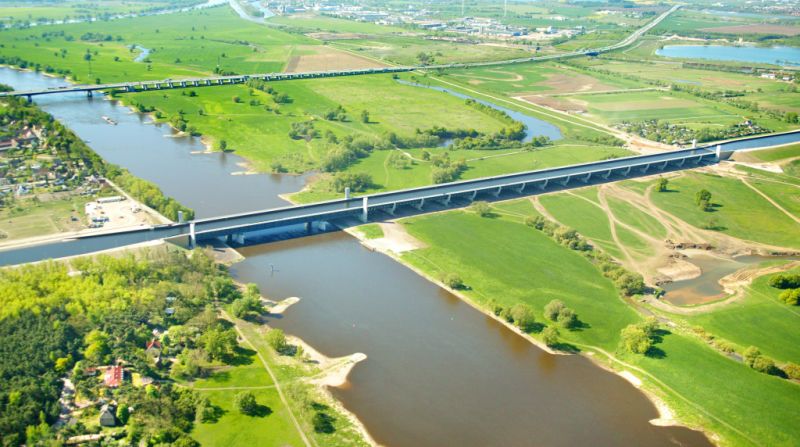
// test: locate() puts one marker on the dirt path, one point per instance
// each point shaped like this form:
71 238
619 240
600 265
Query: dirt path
274 378
769 199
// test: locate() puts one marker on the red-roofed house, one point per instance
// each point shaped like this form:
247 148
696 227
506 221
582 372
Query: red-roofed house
113 376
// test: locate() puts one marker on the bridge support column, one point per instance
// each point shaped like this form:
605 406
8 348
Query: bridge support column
566 180
364 210
30 99
309 227
192 235
586 179
144 86
323 225
681 162
392 209
183 84
474 194
497 192
663 166
447 199
645 168
627 171
520 188
239 238
88 93
542 186
420 204
697 160
719 152
607 175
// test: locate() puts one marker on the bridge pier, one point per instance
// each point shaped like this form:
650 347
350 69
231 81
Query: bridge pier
566 180
543 185
718 152
364 210
446 200
308 227
645 168
88 93
586 179
607 175
30 98
474 194
681 162
627 171
663 166
144 86
420 204
520 188
192 235
497 192
392 209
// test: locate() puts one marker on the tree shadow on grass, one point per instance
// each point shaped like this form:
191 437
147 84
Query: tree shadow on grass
566 347
241 356
213 414
261 411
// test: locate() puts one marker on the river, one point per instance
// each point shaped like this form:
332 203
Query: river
438 372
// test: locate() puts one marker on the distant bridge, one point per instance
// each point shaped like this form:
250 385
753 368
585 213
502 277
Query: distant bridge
410 201
141 86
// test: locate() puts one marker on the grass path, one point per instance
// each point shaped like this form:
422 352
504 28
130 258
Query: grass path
285 402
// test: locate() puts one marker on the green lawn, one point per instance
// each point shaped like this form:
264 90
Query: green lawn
28 219
738 210
371 231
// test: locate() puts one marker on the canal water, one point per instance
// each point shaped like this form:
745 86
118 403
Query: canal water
785 56
438 372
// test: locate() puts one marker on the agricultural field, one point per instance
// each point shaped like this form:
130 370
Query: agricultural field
331 26
325 58
405 50
13 13
182 45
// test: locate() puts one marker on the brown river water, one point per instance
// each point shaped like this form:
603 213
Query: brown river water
438 372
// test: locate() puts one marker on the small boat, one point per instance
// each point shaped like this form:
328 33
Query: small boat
109 120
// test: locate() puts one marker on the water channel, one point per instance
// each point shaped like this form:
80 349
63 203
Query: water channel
765 55
438 372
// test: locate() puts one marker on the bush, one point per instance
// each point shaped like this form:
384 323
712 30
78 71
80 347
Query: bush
567 318
792 370
552 309
790 297
635 339
523 317
453 281
357 182
277 340
550 336
323 423
246 403
785 281
482 209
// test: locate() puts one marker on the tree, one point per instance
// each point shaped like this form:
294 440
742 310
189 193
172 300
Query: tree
790 296
219 343
364 116
703 199
550 336
222 145
453 281
635 339
123 413
482 208
323 423
567 318
662 185
791 117
97 349
277 340
792 370
552 309
246 403
523 317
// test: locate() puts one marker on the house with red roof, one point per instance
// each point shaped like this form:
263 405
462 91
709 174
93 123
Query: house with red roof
113 376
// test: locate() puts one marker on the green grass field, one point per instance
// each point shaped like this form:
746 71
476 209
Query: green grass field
758 319
510 263
738 210
28 219
331 24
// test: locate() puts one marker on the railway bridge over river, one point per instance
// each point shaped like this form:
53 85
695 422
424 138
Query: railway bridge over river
409 201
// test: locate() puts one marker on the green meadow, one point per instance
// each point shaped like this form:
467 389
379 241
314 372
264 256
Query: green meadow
737 210
509 263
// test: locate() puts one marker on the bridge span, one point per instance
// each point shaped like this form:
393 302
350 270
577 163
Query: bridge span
409 201
142 86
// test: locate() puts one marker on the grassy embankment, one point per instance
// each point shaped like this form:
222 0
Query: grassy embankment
511 263
272 425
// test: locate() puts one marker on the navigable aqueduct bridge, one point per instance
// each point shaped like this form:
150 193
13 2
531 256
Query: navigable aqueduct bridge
235 227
